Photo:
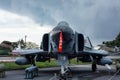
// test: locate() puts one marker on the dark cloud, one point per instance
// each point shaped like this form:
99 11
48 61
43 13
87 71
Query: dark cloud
98 19
30 8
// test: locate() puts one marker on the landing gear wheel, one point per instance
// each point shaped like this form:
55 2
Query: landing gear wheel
63 77
94 67
69 73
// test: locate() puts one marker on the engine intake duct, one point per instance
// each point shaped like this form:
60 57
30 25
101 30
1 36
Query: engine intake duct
79 42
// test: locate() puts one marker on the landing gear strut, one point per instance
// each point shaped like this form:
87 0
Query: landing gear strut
94 66
65 73
65 70
62 73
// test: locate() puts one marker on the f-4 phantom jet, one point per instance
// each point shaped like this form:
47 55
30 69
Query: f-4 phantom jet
63 44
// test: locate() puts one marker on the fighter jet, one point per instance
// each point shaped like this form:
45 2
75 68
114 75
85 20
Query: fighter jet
63 44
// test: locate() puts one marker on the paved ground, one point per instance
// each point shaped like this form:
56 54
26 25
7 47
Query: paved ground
80 72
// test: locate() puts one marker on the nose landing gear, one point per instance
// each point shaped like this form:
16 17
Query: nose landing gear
67 74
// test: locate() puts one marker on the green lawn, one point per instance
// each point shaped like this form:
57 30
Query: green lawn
53 63
13 66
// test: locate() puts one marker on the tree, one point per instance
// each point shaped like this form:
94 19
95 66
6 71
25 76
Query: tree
117 42
31 45
22 43
113 43
15 45
5 47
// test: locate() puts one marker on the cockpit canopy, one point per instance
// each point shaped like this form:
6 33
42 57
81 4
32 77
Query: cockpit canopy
63 23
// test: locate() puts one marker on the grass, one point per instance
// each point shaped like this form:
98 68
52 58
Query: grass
53 63
13 66
74 61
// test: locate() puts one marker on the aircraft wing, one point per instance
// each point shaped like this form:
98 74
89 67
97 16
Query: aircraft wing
29 51
114 57
95 52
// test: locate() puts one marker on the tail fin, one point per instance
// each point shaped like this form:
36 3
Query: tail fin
90 42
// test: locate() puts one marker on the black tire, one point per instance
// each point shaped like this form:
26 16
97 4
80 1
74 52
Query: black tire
94 67
63 77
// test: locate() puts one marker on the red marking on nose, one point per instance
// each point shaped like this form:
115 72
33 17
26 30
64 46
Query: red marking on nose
60 42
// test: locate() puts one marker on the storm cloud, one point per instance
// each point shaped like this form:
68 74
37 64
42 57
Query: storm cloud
98 19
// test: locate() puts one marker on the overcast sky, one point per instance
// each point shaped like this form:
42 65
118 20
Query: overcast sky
98 19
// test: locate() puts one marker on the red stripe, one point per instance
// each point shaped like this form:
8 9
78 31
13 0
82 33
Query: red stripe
60 42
